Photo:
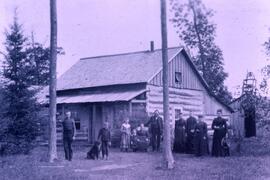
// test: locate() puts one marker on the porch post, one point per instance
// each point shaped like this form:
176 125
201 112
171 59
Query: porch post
130 109
93 120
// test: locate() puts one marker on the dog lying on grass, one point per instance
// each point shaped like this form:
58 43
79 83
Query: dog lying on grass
93 153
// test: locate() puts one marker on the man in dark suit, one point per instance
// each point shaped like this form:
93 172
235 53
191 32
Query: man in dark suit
191 123
69 132
156 128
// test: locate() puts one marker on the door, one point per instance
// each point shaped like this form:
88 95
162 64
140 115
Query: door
95 122
250 123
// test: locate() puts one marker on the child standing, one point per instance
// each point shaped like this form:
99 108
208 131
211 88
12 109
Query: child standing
105 136
125 137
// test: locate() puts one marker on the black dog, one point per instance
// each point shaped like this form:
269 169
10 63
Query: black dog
94 151
225 147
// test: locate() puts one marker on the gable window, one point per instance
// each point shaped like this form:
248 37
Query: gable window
178 77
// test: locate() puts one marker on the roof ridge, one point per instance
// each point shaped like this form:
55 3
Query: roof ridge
127 53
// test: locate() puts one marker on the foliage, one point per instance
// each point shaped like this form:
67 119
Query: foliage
38 57
19 113
266 70
192 21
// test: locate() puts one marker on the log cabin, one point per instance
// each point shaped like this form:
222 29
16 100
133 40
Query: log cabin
112 87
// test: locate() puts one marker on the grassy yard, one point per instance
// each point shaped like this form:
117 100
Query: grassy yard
249 165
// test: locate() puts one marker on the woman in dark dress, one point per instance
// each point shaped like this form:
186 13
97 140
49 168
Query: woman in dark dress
201 138
219 126
179 135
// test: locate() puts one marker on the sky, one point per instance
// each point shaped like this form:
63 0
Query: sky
100 27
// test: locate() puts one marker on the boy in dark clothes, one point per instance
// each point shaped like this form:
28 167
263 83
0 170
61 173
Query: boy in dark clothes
105 136
94 151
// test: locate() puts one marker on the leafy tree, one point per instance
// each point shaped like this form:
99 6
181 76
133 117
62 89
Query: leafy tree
19 117
192 20
38 57
266 70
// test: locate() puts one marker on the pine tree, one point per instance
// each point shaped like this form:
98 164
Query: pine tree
192 21
20 109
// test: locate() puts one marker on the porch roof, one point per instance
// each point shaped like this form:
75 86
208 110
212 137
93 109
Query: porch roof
112 96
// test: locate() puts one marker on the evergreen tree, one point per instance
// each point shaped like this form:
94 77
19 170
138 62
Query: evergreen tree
196 31
20 109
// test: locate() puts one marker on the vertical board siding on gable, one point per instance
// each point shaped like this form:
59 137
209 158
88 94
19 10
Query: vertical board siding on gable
189 78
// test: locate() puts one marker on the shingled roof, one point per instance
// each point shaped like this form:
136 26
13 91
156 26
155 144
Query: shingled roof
128 68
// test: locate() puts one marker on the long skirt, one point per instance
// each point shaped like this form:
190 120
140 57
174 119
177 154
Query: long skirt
125 141
201 145
217 147
179 141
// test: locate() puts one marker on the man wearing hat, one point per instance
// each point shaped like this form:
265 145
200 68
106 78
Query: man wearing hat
219 126
155 128
191 122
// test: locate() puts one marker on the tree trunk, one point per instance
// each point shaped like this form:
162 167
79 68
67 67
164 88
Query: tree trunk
201 50
53 58
168 157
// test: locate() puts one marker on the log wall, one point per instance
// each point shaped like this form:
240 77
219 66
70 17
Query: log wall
189 95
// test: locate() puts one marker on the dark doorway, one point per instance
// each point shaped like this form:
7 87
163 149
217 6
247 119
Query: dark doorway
250 122
95 122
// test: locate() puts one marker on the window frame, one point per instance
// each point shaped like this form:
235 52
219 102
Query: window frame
178 75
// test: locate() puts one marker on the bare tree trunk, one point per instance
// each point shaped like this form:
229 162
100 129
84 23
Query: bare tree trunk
53 58
168 157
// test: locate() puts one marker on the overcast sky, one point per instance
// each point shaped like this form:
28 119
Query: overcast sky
101 27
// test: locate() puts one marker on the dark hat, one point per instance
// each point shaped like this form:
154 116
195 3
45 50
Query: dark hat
200 116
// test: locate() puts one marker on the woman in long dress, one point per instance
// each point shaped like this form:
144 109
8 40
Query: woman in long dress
219 126
201 138
179 145
125 135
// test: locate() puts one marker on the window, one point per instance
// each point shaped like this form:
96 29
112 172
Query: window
178 77
77 120
177 112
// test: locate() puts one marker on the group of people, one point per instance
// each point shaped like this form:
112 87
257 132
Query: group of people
151 129
135 139
190 136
